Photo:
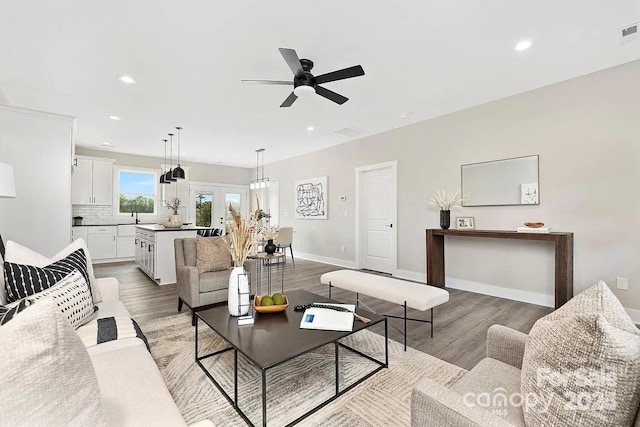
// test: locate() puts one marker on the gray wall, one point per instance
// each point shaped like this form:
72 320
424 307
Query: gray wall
587 135
198 172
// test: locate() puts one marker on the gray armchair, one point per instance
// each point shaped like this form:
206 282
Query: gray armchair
200 291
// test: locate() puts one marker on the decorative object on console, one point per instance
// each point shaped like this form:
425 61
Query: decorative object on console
465 223
534 224
240 242
178 172
270 247
539 230
446 201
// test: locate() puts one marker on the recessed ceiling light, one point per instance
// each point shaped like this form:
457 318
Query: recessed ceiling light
115 118
310 128
523 45
127 79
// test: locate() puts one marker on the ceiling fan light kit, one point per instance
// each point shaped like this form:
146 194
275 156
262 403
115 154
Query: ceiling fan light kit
304 83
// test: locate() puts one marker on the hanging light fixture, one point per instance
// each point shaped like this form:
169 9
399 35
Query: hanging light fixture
178 172
162 177
260 181
169 175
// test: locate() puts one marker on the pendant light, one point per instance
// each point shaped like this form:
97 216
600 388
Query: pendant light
178 172
162 177
169 175
259 182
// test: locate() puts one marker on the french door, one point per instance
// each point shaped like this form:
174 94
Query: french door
210 204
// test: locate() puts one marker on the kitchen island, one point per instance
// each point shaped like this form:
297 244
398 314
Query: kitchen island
155 254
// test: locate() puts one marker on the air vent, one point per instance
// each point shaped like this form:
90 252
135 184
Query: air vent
629 33
352 131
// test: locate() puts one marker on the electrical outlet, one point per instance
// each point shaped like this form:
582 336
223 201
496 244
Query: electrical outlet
622 283
346 213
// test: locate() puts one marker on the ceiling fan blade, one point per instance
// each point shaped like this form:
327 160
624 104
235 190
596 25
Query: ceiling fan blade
346 73
331 95
269 82
290 100
293 61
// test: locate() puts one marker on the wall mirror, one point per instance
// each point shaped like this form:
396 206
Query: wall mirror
502 182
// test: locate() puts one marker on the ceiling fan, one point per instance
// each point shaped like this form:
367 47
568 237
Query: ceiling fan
304 82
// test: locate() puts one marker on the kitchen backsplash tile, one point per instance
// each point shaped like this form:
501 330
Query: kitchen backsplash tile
102 215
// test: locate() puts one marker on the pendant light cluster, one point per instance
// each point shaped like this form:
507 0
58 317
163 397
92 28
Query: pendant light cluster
172 175
260 181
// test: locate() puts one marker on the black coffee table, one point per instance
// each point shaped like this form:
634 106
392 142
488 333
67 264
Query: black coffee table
259 348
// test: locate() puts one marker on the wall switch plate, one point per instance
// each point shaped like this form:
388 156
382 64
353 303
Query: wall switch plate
622 283
342 248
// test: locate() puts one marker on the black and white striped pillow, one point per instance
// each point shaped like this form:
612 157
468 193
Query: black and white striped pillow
73 298
9 312
22 280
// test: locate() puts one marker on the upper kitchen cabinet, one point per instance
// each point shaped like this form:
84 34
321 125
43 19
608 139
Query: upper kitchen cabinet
92 181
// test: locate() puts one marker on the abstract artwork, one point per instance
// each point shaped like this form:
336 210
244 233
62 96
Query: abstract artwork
529 194
311 198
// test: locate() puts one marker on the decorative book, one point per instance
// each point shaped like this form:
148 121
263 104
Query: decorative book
540 230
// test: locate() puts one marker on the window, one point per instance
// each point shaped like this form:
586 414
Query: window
203 209
137 191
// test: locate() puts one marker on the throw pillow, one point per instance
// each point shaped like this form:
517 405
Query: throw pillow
73 298
9 312
46 374
23 280
19 254
581 364
212 254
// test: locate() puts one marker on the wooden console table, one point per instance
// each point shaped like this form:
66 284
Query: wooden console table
563 247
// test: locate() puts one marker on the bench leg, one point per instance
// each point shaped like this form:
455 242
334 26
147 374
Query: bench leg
329 290
405 326
431 322
357 300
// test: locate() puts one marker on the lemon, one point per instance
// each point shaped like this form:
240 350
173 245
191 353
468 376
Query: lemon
278 299
266 300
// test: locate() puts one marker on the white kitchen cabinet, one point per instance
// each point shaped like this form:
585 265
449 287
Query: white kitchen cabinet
155 254
126 241
79 233
92 181
101 241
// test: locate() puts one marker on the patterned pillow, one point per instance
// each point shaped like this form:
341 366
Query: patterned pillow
212 254
9 312
73 298
22 280
582 363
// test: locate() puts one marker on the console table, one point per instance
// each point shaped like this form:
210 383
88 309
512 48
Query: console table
563 243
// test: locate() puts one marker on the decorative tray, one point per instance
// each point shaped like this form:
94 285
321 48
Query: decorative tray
269 308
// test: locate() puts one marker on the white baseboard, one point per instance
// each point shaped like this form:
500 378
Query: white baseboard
498 291
634 314
326 260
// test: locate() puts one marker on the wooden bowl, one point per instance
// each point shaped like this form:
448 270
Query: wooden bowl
534 224
269 308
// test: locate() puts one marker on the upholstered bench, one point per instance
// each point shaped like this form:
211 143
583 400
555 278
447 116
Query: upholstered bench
408 294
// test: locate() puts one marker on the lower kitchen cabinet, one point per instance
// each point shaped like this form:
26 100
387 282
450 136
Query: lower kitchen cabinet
101 242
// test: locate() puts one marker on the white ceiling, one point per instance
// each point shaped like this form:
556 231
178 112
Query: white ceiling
423 57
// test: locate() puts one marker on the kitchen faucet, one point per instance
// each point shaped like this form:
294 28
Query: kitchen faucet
137 220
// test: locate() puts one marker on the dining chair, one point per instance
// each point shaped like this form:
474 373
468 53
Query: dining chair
284 240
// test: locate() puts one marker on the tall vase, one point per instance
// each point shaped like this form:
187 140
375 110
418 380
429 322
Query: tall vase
270 247
445 219
238 296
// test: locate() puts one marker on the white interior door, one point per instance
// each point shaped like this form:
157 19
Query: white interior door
376 218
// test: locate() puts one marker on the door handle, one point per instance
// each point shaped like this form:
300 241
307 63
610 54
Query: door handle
389 225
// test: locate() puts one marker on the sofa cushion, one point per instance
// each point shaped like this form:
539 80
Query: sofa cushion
214 281
582 363
73 298
132 389
212 254
9 312
46 374
494 386
19 254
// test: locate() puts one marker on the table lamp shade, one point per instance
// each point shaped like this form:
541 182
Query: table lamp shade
7 183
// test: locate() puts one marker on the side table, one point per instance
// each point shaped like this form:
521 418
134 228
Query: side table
267 260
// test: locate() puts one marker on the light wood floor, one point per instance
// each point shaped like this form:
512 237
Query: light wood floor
460 325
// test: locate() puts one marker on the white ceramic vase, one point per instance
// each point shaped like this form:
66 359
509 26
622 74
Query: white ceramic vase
238 297
176 220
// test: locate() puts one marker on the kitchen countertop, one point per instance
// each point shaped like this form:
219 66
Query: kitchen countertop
158 227
114 224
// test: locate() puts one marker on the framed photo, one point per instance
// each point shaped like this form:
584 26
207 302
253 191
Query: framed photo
465 223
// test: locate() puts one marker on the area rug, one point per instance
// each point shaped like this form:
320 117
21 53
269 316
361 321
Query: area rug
295 386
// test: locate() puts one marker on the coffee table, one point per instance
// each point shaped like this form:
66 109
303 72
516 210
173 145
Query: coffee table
259 348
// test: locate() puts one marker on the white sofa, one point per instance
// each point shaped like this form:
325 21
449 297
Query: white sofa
132 389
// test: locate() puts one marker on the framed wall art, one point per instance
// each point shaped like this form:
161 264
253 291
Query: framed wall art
311 198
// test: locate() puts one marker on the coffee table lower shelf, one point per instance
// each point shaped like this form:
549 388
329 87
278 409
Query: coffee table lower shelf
234 400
